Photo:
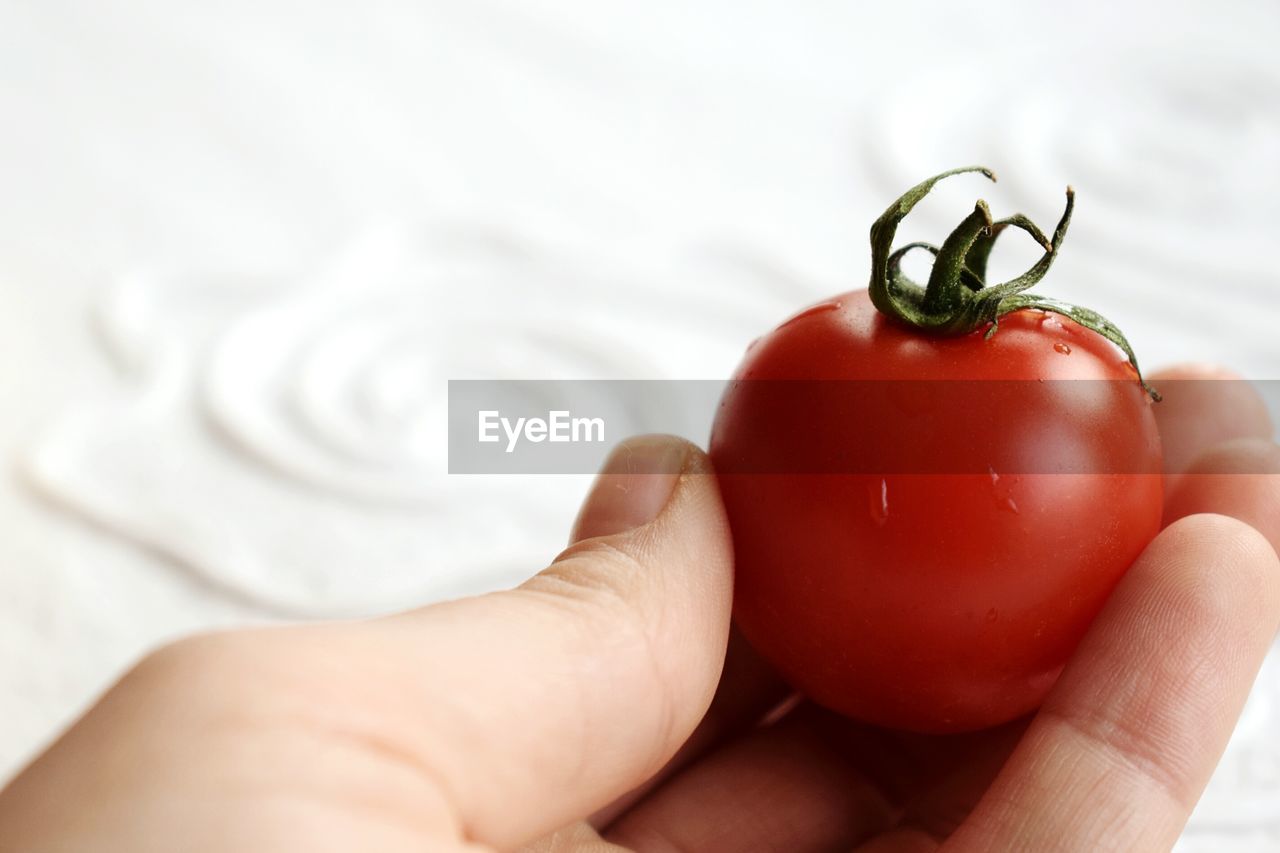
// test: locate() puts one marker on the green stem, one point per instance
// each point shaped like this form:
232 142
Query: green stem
899 278
957 301
902 298
946 293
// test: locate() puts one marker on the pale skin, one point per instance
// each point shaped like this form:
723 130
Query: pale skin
595 707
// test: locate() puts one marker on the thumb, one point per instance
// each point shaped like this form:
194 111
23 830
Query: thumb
494 719
634 486
541 704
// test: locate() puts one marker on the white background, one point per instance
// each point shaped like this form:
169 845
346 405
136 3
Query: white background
243 245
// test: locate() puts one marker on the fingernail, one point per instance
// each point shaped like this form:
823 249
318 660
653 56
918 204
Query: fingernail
633 486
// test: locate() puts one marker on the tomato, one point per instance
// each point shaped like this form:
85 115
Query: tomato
925 523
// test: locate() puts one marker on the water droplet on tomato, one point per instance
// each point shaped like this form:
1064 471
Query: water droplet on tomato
1002 491
820 308
993 615
1065 349
1050 321
878 502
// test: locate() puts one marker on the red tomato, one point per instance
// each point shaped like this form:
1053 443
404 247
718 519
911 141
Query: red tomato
944 589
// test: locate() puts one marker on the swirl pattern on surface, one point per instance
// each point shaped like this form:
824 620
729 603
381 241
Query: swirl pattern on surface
287 441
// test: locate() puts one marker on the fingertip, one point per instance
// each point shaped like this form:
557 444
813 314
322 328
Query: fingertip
1224 569
633 486
1203 406
653 503
1194 370
1206 589
1239 478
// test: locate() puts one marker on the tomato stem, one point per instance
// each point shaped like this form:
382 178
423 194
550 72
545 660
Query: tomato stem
957 301
946 293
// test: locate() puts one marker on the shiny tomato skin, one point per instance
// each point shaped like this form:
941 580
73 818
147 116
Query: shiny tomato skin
933 602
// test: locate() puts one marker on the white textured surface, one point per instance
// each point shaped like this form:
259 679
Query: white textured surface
242 245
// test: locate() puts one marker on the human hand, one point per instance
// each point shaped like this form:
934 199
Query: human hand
595 705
